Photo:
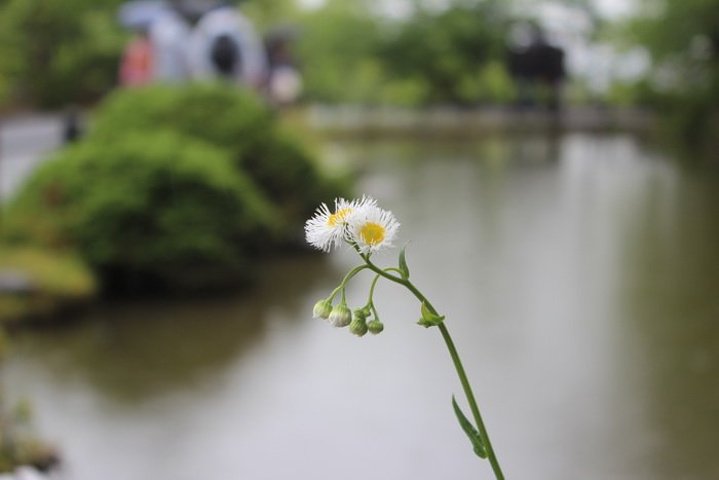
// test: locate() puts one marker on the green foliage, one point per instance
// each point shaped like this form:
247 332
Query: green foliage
490 83
474 437
59 52
447 50
56 52
350 54
232 119
683 39
151 202
268 13
338 49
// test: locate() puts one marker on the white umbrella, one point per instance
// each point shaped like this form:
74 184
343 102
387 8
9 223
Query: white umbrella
139 14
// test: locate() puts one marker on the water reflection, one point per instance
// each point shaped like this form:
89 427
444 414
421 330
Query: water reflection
130 351
591 262
578 276
676 329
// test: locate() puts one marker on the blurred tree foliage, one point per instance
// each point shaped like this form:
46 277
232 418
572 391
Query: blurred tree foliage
683 38
55 52
337 51
448 52
58 52
269 13
350 53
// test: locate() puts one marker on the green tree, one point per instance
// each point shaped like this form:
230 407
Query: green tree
447 50
55 52
683 39
337 50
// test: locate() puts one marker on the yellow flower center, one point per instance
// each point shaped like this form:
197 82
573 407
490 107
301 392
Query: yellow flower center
372 233
338 217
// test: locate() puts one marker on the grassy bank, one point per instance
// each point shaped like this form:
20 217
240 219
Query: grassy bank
39 284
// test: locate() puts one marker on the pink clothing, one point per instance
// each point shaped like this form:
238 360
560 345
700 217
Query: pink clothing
136 65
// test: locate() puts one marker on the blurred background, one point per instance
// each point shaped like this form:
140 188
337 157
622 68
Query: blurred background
554 168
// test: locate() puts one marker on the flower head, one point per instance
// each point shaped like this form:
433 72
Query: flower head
327 229
341 316
375 327
322 309
372 228
358 326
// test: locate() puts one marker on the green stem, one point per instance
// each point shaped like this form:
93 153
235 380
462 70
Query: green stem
347 278
472 402
455 359
370 302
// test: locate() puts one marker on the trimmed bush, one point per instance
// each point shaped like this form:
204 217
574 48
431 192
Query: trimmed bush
234 119
153 203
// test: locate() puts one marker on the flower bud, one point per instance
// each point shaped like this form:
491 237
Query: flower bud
341 316
358 326
322 309
375 326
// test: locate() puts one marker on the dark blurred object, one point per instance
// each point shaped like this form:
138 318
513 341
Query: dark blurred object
72 128
278 43
535 65
225 55
284 78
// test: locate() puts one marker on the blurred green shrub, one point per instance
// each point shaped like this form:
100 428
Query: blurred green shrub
58 52
235 120
153 203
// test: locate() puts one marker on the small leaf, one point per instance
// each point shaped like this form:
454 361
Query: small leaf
403 264
429 319
471 432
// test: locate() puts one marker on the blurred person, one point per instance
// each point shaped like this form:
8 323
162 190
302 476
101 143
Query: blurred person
136 61
225 57
284 79
72 129
534 65
224 44
169 33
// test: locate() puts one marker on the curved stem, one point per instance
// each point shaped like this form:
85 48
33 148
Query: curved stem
472 402
455 359
370 297
347 278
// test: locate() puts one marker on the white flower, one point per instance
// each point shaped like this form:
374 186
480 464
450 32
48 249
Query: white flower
327 229
372 228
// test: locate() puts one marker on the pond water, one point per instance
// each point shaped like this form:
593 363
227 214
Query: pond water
579 275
